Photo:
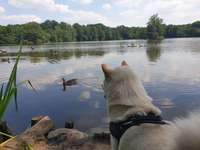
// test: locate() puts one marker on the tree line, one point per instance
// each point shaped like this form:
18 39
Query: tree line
53 31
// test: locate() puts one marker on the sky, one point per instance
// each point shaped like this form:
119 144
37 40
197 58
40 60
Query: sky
109 12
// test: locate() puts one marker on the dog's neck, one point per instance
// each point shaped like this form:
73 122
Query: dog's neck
122 112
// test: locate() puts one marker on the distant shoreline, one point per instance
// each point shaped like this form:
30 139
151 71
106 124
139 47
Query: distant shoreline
51 31
55 43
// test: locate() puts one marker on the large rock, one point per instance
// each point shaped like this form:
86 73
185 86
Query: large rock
33 137
72 139
88 144
36 119
65 135
42 137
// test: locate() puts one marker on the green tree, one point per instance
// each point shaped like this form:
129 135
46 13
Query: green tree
53 31
32 33
155 28
124 32
195 29
171 31
79 32
64 32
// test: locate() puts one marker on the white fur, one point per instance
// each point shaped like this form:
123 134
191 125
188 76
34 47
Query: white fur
126 96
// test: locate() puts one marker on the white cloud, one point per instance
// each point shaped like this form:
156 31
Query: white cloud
126 3
107 6
140 4
172 11
126 12
68 15
42 5
86 17
19 19
2 10
86 1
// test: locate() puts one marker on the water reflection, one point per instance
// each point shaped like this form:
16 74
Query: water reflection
173 81
85 95
6 59
166 103
153 51
50 56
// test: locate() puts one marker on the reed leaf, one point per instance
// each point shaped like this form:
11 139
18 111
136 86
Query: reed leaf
10 136
12 78
11 88
1 92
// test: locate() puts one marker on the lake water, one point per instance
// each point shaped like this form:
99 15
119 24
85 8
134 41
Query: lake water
169 70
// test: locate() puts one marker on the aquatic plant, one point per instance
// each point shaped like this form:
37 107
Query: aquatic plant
10 90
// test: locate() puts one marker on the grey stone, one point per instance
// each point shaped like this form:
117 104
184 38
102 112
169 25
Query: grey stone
5 129
65 135
36 119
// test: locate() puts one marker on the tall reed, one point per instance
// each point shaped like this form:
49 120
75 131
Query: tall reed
9 91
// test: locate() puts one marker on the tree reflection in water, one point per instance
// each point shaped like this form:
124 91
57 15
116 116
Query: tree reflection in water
153 51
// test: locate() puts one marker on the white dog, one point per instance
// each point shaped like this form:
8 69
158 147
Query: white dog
137 122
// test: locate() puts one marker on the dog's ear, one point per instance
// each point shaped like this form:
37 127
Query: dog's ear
124 63
107 70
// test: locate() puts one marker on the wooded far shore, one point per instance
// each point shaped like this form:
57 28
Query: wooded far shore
50 31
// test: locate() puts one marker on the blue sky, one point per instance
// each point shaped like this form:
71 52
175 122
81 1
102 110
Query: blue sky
108 12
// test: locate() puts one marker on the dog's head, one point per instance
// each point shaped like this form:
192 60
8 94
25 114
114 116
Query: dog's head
122 87
119 82
117 76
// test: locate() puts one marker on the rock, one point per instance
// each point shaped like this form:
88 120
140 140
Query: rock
88 144
65 135
103 137
41 128
101 134
41 136
35 120
34 136
69 125
94 145
5 129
